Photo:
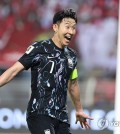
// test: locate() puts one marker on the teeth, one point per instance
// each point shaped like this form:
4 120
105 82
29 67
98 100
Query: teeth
68 37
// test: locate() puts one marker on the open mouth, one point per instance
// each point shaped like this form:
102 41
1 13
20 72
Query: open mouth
68 38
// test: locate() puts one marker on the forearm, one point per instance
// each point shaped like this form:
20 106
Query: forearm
9 74
74 92
6 77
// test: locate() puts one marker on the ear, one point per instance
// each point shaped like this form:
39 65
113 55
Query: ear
55 27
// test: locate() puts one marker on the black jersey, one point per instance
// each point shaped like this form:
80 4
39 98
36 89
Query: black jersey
51 68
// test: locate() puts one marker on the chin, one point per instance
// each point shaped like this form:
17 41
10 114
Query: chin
66 43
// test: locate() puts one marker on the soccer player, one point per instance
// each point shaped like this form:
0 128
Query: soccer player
53 73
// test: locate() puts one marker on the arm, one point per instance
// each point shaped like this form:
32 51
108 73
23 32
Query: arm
10 73
74 92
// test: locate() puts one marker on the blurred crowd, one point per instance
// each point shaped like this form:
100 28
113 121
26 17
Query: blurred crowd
96 38
97 35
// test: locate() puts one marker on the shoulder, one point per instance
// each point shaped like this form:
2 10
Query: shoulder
72 51
42 46
46 45
41 43
34 47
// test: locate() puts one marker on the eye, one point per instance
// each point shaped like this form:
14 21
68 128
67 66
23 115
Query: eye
67 27
73 28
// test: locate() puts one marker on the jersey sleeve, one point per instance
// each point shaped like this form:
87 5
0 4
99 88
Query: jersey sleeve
74 73
27 59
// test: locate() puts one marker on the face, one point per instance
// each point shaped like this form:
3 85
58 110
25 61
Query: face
64 32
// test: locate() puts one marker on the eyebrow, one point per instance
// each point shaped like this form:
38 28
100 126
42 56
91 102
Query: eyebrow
74 24
67 21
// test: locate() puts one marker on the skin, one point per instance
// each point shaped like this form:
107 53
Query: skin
67 28
74 92
63 29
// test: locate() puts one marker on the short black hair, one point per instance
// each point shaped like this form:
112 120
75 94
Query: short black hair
66 13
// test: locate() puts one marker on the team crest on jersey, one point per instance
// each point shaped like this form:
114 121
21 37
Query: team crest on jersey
70 63
47 131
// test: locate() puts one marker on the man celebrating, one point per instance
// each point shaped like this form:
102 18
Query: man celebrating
53 73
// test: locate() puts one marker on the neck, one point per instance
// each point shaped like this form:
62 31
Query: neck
57 42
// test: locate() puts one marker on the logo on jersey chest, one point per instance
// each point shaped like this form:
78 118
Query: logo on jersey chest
70 63
47 131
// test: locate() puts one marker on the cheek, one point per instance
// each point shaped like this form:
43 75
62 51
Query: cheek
63 30
75 31
61 33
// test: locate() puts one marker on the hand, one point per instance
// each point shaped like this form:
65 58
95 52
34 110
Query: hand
82 118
